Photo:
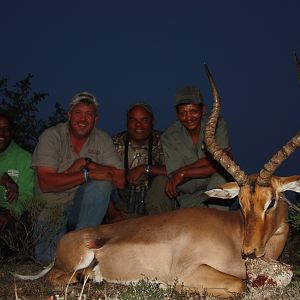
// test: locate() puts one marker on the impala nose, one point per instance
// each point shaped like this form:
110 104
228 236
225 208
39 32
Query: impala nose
248 255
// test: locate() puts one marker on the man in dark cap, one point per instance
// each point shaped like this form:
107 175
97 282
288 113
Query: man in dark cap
141 151
77 166
190 168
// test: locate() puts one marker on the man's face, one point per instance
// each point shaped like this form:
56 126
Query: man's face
190 116
6 133
139 124
82 119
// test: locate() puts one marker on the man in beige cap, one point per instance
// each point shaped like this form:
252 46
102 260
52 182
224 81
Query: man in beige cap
77 166
190 168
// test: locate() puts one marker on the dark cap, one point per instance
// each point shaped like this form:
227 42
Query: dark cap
83 97
141 104
9 115
188 95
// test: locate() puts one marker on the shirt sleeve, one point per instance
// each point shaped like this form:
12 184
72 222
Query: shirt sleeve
46 153
110 156
222 135
158 157
25 184
172 157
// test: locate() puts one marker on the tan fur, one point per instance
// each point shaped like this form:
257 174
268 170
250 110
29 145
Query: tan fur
199 247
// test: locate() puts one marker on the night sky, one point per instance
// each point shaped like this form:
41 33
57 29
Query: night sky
126 51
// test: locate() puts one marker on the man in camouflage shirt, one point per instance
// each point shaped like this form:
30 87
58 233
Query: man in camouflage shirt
141 151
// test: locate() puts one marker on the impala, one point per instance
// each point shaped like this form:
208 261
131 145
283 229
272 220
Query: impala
203 249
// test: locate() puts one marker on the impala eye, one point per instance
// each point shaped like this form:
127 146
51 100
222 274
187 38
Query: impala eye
272 203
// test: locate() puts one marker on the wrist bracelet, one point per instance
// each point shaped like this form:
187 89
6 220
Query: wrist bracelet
85 172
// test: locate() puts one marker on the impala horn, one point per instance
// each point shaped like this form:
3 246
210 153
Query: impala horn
264 177
210 141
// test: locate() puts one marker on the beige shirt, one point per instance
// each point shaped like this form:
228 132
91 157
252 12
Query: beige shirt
54 150
180 151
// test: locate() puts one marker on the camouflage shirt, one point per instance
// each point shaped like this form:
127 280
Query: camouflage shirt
139 155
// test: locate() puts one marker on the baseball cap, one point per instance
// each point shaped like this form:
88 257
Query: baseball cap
83 97
188 95
9 115
142 104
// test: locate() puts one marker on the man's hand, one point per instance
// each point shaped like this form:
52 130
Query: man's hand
170 188
134 175
77 165
99 172
118 178
12 189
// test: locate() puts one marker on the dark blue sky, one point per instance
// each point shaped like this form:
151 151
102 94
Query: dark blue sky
125 51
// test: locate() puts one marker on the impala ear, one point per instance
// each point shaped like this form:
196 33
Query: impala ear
225 191
291 183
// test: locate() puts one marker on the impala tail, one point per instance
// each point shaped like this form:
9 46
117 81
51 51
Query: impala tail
36 276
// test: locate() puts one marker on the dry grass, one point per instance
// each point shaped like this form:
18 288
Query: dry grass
40 289
11 288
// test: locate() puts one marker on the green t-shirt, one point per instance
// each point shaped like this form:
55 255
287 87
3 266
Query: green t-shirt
16 162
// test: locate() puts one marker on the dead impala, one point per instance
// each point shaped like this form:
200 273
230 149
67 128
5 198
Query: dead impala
201 248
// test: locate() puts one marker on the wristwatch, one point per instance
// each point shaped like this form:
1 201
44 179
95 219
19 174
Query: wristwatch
148 169
85 173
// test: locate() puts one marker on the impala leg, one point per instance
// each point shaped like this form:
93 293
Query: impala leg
213 282
59 278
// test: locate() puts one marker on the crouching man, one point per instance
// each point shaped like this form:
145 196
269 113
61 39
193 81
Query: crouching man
77 166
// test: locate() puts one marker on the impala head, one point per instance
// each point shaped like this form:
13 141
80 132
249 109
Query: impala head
261 195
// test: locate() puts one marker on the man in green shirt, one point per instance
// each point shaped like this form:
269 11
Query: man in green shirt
190 167
16 175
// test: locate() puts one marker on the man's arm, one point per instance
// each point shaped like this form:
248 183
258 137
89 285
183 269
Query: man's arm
134 175
52 181
204 167
18 186
201 168
26 186
12 190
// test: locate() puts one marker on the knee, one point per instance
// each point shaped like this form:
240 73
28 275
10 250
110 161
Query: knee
236 286
241 287
159 182
215 181
98 185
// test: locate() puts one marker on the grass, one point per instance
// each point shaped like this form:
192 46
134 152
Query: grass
144 289
12 289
